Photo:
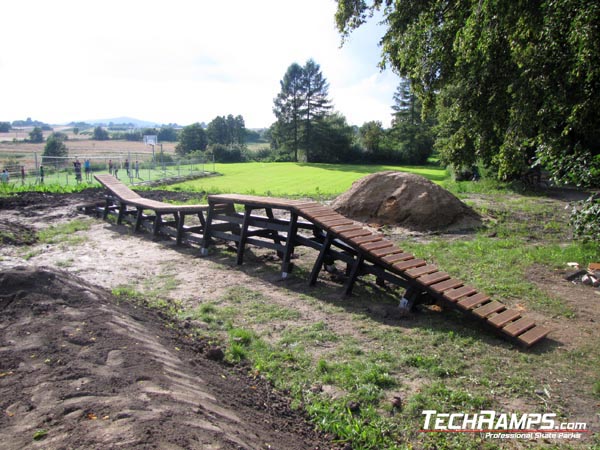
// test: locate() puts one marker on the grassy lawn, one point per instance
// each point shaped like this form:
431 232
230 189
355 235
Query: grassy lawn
292 179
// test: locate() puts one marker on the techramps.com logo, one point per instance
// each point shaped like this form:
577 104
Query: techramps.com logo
494 425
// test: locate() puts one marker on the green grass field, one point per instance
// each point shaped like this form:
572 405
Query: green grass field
293 179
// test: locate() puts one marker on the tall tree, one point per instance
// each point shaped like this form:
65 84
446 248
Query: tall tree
509 80
216 131
406 107
227 131
316 103
287 107
300 105
371 134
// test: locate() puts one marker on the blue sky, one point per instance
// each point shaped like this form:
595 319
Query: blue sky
180 61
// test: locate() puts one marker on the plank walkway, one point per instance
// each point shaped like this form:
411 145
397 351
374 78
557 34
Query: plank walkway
237 218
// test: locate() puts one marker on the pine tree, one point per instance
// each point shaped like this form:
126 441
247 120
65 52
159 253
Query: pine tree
300 105
288 105
316 105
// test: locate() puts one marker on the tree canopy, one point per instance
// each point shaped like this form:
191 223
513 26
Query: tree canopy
191 138
227 131
36 135
508 81
55 149
100 134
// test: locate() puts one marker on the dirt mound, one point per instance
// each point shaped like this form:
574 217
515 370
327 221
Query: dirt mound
78 370
407 200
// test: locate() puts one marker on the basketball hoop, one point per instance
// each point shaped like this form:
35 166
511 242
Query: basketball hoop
150 139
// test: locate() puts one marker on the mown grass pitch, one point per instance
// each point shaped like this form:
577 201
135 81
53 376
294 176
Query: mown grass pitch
293 179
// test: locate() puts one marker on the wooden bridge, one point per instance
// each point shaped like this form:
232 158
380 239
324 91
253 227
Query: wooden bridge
282 224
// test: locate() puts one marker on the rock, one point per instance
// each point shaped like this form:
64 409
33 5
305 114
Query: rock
407 200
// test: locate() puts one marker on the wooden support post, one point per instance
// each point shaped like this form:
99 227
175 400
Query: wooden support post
353 274
106 207
157 224
138 219
286 266
122 208
202 220
243 235
274 233
319 262
206 232
180 218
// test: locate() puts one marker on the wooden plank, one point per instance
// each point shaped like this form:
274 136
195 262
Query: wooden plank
365 239
350 234
343 228
533 335
409 264
455 294
473 301
519 327
397 257
334 217
314 212
446 285
312 207
499 320
489 308
324 217
371 246
434 278
423 270
336 221
386 251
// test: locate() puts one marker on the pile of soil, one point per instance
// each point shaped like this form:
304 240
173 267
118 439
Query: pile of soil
78 369
406 200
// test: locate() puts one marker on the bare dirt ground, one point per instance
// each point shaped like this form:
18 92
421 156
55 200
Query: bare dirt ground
78 369
82 370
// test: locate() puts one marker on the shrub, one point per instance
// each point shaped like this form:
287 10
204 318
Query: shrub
585 218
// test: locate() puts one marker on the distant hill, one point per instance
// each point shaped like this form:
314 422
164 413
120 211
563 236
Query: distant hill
124 121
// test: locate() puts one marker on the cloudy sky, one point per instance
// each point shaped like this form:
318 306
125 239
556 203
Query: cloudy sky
180 61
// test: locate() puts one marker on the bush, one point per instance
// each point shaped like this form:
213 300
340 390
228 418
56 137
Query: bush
585 218
225 154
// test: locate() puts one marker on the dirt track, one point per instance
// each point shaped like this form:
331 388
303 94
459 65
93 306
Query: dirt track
80 370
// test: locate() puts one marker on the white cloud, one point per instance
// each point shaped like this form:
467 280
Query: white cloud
180 61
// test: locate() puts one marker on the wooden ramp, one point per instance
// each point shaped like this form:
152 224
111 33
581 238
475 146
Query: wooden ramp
338 238
129 206
282 224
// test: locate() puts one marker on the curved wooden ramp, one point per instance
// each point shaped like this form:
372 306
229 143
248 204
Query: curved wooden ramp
366 252
129 206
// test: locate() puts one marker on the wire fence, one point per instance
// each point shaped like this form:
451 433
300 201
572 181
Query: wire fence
128 167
